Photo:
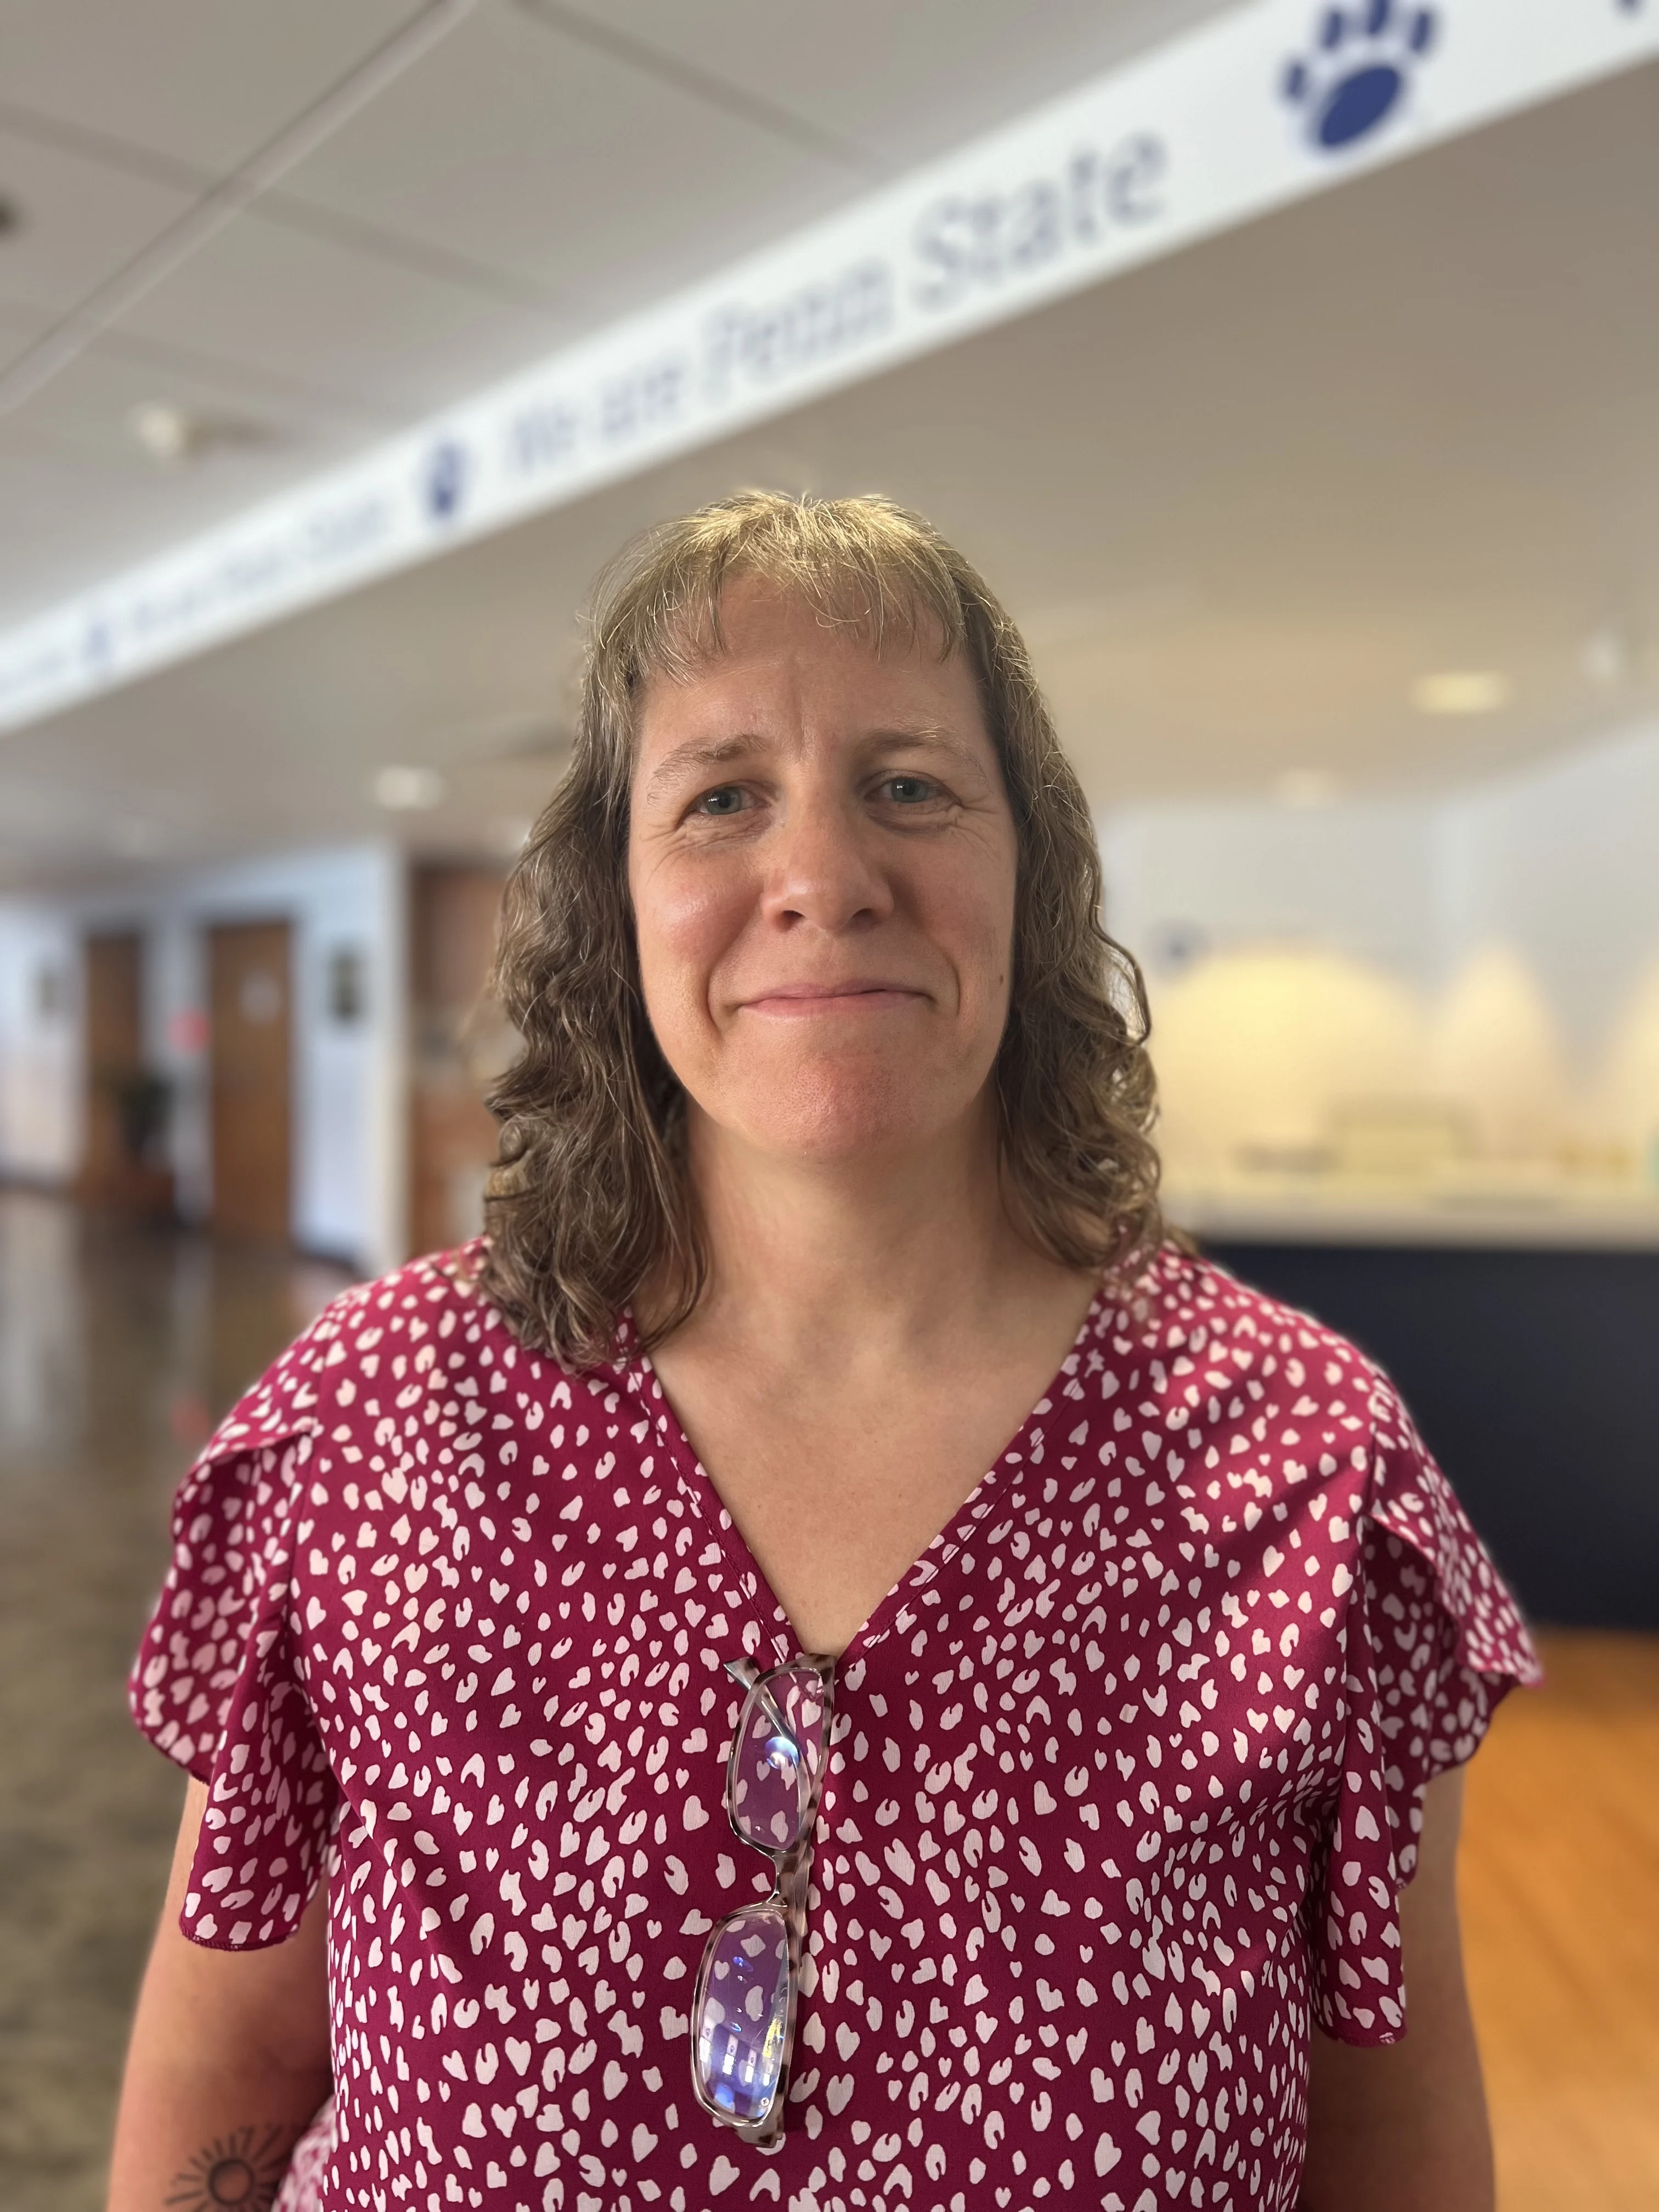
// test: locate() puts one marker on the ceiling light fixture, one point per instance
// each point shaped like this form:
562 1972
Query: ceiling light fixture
171 434
1460 691
1307 789
403 789
168 433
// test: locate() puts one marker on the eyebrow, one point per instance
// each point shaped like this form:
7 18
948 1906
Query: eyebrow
698 753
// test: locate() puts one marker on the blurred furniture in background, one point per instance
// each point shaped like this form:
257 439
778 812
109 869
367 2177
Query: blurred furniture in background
1299 1069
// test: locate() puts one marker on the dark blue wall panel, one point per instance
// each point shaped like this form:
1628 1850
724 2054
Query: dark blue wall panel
1534 1378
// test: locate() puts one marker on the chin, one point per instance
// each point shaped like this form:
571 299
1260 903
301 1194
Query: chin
831 1114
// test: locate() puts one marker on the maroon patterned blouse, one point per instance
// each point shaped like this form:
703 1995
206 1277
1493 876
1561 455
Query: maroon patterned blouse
1127 1778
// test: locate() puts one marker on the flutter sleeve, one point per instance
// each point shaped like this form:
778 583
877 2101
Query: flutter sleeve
1435 1642
217 1684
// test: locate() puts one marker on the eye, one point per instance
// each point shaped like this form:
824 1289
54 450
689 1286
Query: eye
726 799
911 790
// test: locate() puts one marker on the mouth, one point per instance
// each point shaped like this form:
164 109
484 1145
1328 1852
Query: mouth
799 1001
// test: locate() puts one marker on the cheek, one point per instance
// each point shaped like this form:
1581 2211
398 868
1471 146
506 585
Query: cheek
972 916
684 918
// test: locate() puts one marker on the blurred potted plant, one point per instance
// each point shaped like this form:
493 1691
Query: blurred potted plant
143 1103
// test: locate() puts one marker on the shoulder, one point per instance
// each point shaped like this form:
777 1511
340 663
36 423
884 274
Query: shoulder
1262 1391
376 1348
1268 1420
441 1294
1202 1324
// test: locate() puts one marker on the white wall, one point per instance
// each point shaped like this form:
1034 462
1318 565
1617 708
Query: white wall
41 1086
1516 924
1182 880
349 1168
1563 865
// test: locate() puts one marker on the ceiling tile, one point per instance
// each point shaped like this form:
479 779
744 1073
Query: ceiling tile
79 223
902 83
532 152
306 307
203 81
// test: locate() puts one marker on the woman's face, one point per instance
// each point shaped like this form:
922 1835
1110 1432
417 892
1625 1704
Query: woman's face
822 862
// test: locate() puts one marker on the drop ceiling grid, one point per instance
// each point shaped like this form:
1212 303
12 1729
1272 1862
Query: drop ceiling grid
201 82
1265 483
544 167
902 83
72 450
114 121
1405 423
79 223
313 308
546 158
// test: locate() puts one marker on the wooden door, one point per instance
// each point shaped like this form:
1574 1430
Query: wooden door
114 1060
454 913
251 1004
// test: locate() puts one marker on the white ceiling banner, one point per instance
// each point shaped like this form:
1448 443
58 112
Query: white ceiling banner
1270 104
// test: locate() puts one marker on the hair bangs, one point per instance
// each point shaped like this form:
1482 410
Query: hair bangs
853 563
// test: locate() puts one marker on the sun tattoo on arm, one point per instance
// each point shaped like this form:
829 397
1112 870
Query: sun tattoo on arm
240 2171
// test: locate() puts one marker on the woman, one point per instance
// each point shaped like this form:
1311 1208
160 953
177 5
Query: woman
1073 1802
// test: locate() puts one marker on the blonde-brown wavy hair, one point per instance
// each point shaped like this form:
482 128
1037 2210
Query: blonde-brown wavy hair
588 1203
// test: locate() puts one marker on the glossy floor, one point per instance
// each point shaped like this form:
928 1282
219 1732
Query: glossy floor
118 1347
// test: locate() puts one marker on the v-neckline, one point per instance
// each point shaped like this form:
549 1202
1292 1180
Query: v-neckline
699 1486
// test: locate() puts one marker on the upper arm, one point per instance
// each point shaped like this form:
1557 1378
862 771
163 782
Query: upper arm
228 2046
269 2008
1406 2123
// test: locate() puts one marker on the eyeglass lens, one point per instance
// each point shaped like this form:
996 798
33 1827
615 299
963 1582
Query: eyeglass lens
779 1758
745 2012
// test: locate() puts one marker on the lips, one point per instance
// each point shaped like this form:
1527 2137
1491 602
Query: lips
854 996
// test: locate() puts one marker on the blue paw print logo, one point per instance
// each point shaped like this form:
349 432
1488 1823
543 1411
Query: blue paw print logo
446 480
1357 69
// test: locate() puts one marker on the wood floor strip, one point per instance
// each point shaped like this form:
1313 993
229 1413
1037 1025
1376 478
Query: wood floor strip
1560 1896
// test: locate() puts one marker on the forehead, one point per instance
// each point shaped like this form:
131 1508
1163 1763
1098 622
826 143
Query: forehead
775 659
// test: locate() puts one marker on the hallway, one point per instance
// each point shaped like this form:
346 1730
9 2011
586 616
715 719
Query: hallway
119 1345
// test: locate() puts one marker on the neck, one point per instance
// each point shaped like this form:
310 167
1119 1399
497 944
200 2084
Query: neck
900 1245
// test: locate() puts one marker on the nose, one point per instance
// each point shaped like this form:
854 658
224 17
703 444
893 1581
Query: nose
822 871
